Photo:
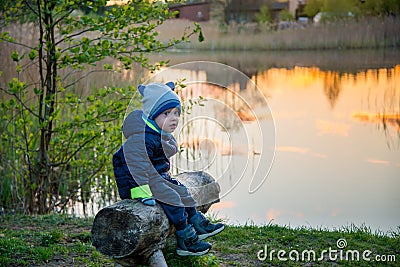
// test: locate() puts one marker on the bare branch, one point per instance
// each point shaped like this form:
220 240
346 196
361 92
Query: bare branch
75 152
63 16
83 77
73 35
16 43
21 102
31 8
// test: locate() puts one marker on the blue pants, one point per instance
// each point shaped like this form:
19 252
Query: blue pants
177 216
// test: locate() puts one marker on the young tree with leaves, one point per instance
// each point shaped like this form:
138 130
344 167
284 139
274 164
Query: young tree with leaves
57 141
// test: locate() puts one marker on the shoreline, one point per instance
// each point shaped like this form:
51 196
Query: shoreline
348 61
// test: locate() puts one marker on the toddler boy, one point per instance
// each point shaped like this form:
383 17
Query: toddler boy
141 167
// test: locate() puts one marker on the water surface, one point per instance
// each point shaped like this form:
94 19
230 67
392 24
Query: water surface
336 154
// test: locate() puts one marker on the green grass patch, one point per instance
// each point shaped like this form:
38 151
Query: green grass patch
60 240
56 240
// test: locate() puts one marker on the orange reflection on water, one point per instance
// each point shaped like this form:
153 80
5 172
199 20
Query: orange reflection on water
329 127
376 93
391 119
297 78
230 97
209 145
300 150
378 161
274 214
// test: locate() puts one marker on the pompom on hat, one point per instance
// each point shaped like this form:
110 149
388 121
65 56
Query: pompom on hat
157 98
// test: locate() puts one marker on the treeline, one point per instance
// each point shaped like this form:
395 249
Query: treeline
356 7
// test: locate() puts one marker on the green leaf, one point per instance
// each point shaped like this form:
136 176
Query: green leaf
201 37
37 91
108 66
11 102
15 56
33 54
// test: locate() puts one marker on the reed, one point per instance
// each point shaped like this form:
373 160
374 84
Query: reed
85 92
369 32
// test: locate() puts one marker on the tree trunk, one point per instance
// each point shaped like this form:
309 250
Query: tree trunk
133 233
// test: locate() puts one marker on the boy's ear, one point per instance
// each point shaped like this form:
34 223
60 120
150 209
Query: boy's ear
141 88
171 85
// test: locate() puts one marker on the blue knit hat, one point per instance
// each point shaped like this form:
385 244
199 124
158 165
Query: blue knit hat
157 98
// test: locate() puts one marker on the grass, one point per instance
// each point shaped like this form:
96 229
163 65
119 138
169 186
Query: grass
61 240
54 240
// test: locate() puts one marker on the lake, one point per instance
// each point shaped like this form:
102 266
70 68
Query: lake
294 138
298 138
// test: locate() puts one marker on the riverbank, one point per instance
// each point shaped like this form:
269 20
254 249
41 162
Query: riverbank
362 33
60 240
342 61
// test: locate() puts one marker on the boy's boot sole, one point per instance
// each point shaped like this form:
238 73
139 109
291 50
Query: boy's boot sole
217 231
181 252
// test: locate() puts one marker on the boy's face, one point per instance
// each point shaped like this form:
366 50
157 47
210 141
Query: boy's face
168 120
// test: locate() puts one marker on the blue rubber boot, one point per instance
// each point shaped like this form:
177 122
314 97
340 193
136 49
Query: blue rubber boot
149 201
204 228
188 243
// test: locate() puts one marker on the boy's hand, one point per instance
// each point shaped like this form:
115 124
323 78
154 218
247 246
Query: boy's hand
148 201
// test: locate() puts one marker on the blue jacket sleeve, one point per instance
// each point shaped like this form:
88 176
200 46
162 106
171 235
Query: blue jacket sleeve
137 160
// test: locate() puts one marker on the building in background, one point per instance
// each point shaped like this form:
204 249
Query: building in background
245 10
296 7
239 11
193 10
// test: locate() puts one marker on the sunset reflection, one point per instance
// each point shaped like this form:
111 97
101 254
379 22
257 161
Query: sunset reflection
385 120
336 149
378 92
